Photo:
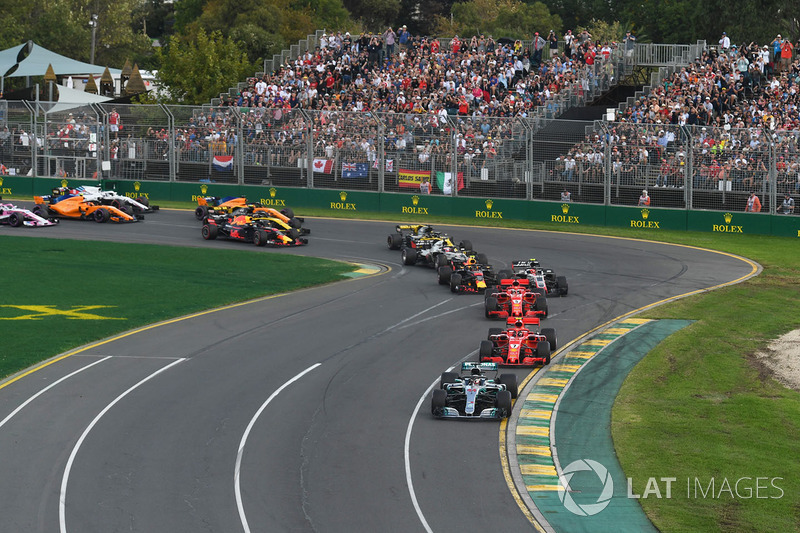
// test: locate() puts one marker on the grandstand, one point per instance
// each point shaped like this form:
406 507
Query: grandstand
332 113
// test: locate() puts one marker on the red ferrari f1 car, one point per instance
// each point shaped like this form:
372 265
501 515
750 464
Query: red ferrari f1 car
521 344
514 298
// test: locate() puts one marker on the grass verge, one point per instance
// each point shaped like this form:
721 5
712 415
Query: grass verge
139 284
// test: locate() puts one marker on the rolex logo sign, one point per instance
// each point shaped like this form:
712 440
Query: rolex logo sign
645 213
204 189
414 208
414 200
489 204
64 183
565 208
343 205
272 192
137 186
727 227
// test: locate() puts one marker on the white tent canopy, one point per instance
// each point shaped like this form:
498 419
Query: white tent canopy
36 61
72 98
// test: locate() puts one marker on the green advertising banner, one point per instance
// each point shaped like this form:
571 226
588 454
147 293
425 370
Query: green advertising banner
16 186
421 205
729 222
567 214
786 226
646 218
498 209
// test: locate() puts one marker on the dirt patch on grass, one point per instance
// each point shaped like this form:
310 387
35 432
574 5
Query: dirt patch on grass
782 358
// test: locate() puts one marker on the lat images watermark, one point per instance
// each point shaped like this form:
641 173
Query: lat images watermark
594 479
741 488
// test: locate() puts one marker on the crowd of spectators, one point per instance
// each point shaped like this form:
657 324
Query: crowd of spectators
721 117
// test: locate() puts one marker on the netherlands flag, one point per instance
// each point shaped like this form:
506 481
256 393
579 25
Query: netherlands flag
223 163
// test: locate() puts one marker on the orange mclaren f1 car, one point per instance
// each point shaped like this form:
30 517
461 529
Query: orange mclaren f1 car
76 206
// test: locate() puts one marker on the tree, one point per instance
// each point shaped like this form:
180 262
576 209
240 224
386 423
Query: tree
196 68
503 18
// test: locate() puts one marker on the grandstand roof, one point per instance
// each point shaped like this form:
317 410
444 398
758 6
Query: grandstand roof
31 59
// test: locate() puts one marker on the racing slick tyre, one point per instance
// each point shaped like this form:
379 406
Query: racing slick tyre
117 203
144 201
259 237
504 274
465 244
41 210
550 334
491 305
201 212
510 381
543 350
210 232
447 378
485 350
495 331
409 256
482 259
294 234
541 303
444 274
455 282
438 402
287 212
15 220
561 285
101 215
294 223
440 261
394 241
503 402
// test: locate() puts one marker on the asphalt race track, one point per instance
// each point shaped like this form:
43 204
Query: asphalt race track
292 413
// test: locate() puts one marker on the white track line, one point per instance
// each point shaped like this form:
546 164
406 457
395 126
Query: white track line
238 468
62 499
29 400
407 458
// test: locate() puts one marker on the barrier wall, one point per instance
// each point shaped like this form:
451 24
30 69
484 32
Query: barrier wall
422 206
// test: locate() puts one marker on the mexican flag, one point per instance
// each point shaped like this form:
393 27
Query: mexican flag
444 180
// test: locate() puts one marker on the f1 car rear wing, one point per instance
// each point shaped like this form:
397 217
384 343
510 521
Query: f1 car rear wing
523 282
526 321
483 366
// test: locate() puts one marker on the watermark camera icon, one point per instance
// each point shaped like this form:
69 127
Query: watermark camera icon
586 509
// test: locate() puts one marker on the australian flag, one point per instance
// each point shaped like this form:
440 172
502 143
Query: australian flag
355 170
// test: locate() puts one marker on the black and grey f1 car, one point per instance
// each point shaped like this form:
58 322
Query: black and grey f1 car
540 278
261 231
474 395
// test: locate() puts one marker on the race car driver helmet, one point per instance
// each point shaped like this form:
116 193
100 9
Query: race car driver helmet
518 323
472 261
476 371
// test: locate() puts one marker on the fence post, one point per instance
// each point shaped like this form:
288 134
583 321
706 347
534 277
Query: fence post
688 178
309 149
772 174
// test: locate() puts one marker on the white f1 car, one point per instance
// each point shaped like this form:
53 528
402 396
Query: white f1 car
139 205
17 216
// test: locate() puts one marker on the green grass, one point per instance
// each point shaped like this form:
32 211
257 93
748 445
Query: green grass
142 284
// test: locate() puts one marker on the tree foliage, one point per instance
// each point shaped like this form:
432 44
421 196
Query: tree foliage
63 26
503 18
197 68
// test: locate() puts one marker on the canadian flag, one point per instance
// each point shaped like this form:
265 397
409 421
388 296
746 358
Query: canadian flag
323 165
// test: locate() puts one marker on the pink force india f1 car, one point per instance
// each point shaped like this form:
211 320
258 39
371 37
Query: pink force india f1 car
17 216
